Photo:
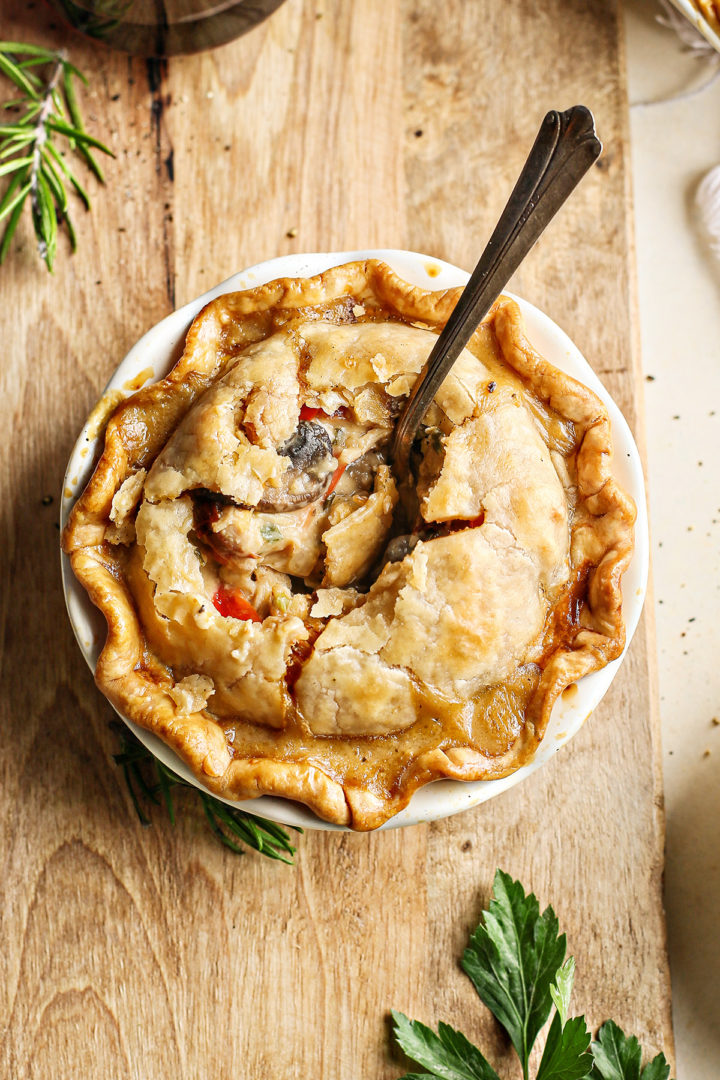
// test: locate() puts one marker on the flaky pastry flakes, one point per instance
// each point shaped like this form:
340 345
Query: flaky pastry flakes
240 536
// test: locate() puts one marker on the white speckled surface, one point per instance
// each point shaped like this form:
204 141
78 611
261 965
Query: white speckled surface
673 146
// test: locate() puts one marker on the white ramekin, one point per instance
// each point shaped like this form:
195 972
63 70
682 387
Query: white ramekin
154 355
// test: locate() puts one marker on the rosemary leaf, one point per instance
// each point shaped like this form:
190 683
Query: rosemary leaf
144 820
166 779
19 198
31 77
253 831
71 231
46 219
18 76
130 756
77 134
24 49
277 833
28 150
10 229
11 189
16 163
15 143
148 791
14 129
76 118
32 110
209 814
71 177
228 823
244 829
59 106
35 61
55 184
74 71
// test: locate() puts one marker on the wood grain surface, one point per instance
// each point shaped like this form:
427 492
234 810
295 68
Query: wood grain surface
149 953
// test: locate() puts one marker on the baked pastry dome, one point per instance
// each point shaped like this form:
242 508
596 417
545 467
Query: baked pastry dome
283 617
710 11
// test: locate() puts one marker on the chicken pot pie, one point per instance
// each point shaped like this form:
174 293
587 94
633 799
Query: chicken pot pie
284 617
710 11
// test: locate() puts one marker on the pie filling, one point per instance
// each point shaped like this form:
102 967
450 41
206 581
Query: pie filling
292 623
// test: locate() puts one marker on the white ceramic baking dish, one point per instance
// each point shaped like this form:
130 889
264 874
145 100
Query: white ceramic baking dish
153 356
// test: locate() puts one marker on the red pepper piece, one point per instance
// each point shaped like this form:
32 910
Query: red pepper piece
336 477
232 604
460 524
308 413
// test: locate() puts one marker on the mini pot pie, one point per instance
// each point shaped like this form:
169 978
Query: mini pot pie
710 11
286 619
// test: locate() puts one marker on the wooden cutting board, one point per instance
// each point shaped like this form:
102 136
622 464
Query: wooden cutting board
149 953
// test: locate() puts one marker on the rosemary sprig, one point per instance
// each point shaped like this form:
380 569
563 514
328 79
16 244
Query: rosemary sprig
48 111
149 780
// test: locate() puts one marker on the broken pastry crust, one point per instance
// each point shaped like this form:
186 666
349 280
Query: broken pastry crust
258 633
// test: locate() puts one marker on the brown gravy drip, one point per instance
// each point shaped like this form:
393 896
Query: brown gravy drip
490 722
387 764
563 621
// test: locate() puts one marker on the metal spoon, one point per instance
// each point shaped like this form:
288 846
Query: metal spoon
565 148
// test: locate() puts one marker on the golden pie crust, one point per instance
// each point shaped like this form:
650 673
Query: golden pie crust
710 11
261 636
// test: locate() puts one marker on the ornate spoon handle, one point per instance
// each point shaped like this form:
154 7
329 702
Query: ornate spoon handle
565 148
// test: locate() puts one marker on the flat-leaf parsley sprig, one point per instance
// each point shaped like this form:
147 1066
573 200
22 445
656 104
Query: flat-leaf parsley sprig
149 780
37 130
516 960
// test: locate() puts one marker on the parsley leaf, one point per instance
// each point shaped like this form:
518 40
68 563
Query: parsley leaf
617 1056
566 1055
270 532
561 989
513 959
657 1069
516 963
449 1055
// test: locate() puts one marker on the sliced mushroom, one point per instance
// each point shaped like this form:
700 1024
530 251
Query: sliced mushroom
312 463
399 547
363 470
